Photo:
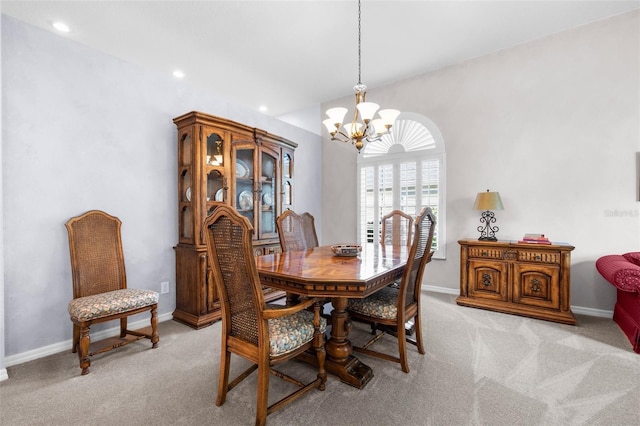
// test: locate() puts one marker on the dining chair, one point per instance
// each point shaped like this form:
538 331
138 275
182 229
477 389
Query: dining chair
396 228
291 231
309 227
100 290
389 309
265 335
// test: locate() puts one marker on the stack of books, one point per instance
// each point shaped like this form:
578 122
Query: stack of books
534 239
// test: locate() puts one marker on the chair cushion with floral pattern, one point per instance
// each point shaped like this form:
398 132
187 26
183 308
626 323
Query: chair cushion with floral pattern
112 302
289 333
382 304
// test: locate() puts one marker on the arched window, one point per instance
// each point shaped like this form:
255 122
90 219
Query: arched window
405 170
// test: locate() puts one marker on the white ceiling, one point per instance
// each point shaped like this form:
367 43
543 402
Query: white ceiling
292 55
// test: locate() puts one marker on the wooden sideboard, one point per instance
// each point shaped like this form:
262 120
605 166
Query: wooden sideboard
532 280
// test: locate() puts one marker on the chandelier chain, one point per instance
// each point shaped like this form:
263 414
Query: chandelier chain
363 128
359 49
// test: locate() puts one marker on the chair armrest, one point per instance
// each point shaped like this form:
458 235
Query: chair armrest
277 313
621 273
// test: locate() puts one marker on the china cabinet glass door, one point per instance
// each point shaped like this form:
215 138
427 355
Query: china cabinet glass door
287 180
269 197
244 195
216 184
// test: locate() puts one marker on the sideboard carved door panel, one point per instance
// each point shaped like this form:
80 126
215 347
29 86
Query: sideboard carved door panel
488 280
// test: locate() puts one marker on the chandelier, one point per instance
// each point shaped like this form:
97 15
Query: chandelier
363 128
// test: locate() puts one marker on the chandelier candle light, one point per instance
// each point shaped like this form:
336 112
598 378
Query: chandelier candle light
368 130
488 201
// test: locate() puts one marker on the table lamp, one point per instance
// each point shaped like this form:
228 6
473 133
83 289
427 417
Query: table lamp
487 201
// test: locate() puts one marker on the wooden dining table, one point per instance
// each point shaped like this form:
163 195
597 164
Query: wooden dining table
317 272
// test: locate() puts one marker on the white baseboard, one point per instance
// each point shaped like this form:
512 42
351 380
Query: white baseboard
592 312
3 374
66 345
437 289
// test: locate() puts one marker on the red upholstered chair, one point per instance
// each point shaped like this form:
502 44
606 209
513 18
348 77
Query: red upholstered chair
264 335
389 309
623 272
100 290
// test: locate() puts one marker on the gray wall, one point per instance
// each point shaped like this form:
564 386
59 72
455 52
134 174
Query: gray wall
83 130
553 125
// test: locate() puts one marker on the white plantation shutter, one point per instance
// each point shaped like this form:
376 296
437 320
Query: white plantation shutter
403 171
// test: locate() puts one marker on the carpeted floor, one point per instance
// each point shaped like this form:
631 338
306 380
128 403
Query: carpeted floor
481 368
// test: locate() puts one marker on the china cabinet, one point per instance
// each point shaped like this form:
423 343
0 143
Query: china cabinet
224 162
523 279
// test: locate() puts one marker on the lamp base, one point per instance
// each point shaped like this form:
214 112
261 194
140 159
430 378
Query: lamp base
487 239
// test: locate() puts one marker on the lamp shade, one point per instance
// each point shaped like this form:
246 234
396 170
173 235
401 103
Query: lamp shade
337 115
488 201
388 116
367 109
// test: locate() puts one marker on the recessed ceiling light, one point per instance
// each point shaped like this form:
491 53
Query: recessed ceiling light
263 108
178 74
61 26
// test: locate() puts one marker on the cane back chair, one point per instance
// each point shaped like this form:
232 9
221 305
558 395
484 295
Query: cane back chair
265 335
291 231
396 228
309 227
389 309
100 290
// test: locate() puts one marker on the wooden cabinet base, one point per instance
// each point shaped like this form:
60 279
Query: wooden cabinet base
508 308
196 321
522 279
205 320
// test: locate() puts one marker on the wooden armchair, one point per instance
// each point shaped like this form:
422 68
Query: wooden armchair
263 334
390 308
100 290
309 227
291 231
396 228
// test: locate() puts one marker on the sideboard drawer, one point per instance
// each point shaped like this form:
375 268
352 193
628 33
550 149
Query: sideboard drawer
539 256
485 252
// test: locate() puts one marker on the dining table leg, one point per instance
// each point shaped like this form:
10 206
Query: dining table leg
340 360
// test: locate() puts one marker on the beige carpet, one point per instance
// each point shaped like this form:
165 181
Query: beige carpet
481 368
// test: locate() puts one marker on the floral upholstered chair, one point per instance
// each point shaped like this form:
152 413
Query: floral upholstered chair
100 290
263 334
389 309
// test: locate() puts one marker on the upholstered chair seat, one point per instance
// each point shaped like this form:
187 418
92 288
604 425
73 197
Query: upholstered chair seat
111 303
383 304
286 334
